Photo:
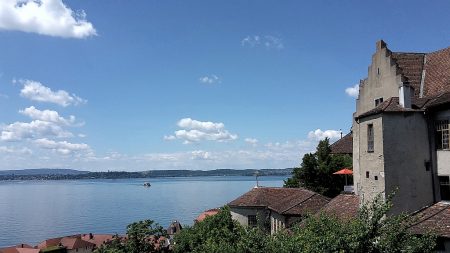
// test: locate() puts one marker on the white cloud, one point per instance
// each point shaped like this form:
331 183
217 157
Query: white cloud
251 141
320 135
353 91
3 96
209 79
200 155
195 131
37 128
45 17
47 115
36 91
207 126
62 147
267 41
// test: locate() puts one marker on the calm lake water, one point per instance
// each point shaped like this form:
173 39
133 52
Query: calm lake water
31 211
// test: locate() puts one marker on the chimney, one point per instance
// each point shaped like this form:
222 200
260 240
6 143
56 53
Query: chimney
380 45
404 96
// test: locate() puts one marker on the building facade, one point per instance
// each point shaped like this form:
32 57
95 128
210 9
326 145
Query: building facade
401 129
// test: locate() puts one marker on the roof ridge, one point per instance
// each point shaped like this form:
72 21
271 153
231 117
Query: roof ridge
312 195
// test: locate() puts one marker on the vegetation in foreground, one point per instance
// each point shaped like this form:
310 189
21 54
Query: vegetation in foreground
316 171
371 231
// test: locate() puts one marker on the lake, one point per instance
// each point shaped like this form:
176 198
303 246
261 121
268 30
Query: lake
32 211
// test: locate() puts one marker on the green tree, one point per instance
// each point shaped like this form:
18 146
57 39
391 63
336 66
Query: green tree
316 171
142 237
217 233
372 231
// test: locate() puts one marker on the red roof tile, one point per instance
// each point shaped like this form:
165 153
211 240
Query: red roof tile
97 239
343 206
290 201
410 66
437 73
206 213
343 145
435 218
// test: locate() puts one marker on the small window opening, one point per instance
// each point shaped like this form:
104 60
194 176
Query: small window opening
376 177
367 174
370 138
378 71
444 185
252 222
378 101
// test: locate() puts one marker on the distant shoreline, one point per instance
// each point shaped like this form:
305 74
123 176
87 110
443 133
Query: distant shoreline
49 174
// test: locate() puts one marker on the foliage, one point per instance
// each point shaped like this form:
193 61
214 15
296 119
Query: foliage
217 233
372 231
142 237
316 171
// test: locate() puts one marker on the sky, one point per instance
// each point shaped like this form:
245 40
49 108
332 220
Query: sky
145 85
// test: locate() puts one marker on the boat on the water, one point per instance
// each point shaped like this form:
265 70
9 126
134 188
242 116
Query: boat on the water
147 184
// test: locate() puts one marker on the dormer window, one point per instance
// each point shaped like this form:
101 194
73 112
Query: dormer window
378 101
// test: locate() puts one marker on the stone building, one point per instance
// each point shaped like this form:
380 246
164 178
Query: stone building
274 207
401 128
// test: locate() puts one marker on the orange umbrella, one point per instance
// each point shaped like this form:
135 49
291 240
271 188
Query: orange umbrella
344 171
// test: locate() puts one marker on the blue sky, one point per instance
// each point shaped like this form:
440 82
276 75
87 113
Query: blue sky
190 84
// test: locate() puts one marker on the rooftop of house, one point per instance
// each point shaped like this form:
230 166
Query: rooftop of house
343 145
343 206
97 239
22 248
392 105
69 242
434 218
206 213
286 201
174 228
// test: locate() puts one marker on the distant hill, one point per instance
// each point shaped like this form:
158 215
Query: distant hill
32 172
68 174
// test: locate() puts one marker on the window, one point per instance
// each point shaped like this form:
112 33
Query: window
442 134
444 185
376 177
378 101
378 71
370 138
367 174
252 222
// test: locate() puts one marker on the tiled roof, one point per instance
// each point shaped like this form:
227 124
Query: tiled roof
289 201
437 73
390 105
343 206
70 242
174 228
411 67
343 145
206 213
435 218
97 239
23 248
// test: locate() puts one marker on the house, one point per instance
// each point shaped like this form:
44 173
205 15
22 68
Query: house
21 248
401 129
275 207
67 244
97 239
205 214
